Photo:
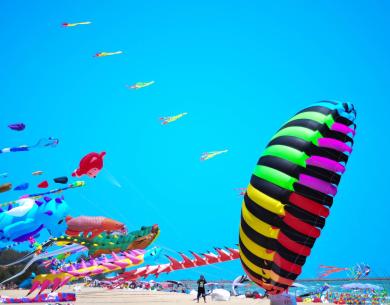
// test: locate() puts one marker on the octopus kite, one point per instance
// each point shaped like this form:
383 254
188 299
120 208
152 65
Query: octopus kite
169 119
291 191
24 221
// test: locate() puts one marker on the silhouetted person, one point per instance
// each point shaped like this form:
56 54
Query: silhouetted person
201 288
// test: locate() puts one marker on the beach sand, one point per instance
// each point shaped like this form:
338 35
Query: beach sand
121 297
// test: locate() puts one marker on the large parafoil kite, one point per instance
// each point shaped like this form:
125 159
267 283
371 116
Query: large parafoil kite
291 190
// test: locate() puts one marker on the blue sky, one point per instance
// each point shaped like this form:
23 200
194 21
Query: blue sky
240 69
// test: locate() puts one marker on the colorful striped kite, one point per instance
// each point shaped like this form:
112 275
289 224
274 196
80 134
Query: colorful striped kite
291 191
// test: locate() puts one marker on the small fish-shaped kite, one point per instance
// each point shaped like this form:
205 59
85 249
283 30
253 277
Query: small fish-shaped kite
43 184
208 155
45 142
103 54
37 173
169 119
21 187
62 180
3 175
17 126
140 85
67 25
5 187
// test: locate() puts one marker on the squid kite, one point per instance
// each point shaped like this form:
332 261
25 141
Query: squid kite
140 85
169 119
45 142
356 272
103 54
208 155
67 25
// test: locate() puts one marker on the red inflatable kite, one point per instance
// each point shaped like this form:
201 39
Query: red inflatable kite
90 165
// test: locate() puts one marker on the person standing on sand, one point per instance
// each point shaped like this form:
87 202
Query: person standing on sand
201 288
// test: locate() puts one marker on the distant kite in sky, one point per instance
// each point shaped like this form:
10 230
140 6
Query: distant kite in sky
208 155
21 187
242 191
169 119
45 142
103 54
43 184
3 175
67 25
5 187
17 126
140 85
37 173
62 180
90 165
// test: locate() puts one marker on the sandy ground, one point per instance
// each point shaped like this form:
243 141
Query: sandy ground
122 297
